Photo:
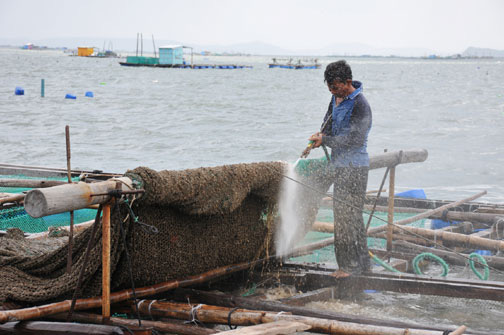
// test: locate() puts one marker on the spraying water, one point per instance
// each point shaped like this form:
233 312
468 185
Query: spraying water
290 223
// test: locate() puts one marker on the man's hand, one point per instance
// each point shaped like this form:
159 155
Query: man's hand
316 139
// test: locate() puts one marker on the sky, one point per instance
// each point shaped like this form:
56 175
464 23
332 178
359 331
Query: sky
444 26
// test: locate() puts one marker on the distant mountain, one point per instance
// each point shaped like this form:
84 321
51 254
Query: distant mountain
482 52
129 45
253 48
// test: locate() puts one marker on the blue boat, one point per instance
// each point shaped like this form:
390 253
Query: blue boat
294 64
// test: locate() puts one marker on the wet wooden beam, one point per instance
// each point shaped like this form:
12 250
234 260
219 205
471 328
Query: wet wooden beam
68 197
55 328
405 283
230 301
165 327
271 328
243 317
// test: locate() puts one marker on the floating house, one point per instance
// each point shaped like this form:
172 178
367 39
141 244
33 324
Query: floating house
171 56
85 51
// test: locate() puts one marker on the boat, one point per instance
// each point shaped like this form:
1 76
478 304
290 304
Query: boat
296 64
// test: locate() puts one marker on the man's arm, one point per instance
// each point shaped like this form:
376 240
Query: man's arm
360 122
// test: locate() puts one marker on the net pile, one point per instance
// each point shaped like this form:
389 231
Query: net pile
206 217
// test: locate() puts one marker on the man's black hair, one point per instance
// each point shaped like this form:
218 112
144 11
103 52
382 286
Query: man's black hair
339 71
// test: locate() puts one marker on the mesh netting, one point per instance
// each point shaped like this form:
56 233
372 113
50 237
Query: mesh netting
16 217
206 217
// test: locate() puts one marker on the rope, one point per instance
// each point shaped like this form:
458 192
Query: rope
128 259
486 271
149 309
278 314
424 255
194 315
229 318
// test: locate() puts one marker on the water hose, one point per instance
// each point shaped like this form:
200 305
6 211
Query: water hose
382 263
481 260
424 255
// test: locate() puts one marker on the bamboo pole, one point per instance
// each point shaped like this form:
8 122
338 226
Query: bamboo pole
69 175
226 300
459 331
468 241
30 183
106 262
242 317
95 302
450 216
427 213
451 257
13 198
390 215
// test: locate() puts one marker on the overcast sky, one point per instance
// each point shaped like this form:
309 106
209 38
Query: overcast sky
443 25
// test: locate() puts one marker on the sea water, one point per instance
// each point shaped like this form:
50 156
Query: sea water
180 118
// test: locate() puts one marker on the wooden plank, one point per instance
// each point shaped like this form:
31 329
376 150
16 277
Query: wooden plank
271 328
55 328
412 284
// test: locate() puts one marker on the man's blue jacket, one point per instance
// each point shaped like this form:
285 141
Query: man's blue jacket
346 134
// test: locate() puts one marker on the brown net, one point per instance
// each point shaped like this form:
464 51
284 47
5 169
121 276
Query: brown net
206 217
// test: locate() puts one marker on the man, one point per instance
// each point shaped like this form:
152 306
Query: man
345 130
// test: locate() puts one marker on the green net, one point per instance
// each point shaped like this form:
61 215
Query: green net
16 217
326 254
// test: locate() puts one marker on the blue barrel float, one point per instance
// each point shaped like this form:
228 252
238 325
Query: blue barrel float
19 90
89 94
70 96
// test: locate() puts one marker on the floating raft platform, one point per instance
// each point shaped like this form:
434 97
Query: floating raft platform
188 66
294 66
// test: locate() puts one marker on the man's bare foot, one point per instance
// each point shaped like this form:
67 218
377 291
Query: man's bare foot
340 274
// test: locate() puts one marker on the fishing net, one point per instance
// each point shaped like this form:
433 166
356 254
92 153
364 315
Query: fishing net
206 218
16 217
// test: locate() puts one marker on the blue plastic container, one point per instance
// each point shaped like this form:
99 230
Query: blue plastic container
416 194
89 94
19 90
483 252
70 96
